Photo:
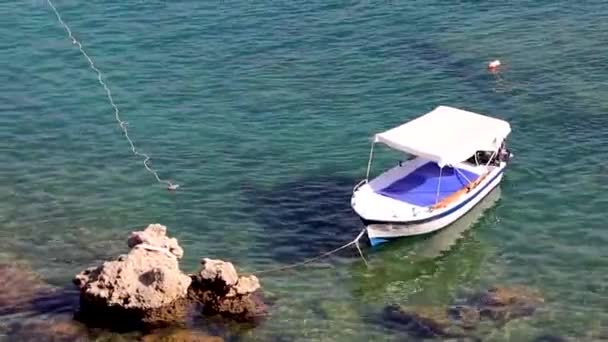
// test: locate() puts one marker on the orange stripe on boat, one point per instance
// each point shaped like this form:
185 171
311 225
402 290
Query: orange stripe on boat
453 197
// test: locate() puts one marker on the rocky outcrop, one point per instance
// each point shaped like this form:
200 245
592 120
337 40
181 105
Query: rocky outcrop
222 291
143 287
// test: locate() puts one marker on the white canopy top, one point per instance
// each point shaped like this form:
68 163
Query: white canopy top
447 135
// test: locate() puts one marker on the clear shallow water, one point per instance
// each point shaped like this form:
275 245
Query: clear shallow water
262 111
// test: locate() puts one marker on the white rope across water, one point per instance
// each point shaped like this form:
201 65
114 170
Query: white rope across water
320 256
121 123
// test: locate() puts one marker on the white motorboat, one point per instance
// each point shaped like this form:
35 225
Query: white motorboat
456 158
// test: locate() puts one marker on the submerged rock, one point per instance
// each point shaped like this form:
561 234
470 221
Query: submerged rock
180 335
503 296
505 303
145 286
550 338
466 316
64 329
497 305
420 323
221 291
19 288
22 290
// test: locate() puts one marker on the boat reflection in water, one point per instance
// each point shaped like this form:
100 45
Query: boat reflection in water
445 239
427 268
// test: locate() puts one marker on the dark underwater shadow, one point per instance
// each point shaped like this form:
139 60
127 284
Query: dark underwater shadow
304 217
24 292
62 301
59 301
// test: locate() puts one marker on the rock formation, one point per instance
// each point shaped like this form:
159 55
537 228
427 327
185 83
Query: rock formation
145 289
144 286
222 291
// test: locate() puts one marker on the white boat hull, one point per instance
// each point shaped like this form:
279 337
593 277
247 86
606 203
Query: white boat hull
454 158
380 232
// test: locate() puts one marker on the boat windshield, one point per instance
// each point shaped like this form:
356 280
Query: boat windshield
489 157
483 158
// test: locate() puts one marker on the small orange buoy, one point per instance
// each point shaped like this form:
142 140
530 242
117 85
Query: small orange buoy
493 65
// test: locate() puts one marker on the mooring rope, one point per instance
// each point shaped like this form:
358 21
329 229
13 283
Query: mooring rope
170 185
320 256
121 123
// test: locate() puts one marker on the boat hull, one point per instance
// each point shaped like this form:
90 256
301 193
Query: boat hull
379 232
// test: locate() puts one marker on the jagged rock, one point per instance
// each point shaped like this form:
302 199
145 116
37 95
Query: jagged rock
180 335
143 279
146 289
219 275
247 308
156 235
144 286
247 284
221 291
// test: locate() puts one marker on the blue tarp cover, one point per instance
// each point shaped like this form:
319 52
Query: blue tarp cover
420 187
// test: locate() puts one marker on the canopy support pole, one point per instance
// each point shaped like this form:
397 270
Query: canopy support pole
491 157
369 163
438 185
462 174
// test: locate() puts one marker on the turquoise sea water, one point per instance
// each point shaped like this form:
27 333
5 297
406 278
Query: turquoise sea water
263 110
